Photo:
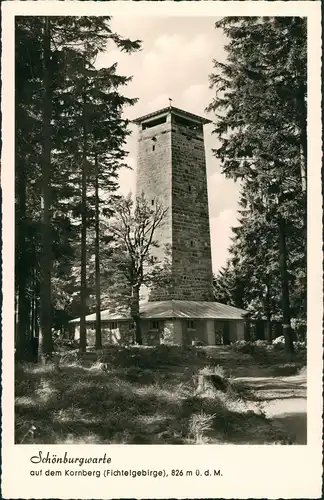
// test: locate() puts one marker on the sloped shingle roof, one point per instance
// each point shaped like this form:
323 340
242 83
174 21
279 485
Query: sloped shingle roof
174 309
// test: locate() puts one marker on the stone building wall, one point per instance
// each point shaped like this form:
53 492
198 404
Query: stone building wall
169 331
171 167
192 264
154 179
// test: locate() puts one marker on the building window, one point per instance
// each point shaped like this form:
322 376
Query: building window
112 325
189 189
154 325
191 243
153 147
191 324
152 202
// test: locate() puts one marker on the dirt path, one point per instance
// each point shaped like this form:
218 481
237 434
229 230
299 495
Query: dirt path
283 400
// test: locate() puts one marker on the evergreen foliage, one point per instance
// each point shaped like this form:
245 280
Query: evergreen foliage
70 145
260 109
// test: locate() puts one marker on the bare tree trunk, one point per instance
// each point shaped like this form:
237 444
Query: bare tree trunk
32 316
135 313
83 285
97 258
45 337
287 330
21 274
303 172
303 138
268 313
36 318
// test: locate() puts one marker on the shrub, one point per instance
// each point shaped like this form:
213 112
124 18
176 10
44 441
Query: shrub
213 370
299 346
279 340
199 424
279 343
244 347
261 343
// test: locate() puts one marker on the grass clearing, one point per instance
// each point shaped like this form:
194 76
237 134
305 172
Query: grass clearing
146 395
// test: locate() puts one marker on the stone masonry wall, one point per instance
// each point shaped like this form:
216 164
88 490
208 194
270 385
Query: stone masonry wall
171 168
154 179
192 265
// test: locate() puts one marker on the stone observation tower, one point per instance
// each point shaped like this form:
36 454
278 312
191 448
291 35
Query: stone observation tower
171 168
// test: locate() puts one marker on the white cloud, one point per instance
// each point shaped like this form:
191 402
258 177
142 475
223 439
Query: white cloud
222 194
221 232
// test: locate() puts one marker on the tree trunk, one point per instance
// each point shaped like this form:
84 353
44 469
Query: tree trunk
16 315
83 285
286 326
136 315
32 317
21 274
97 258
303 173
303 137
268 313
37 318
45 334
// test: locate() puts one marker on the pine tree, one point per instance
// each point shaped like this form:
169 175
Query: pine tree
260 104
49 53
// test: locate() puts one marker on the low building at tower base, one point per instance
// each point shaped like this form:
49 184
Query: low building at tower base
172 322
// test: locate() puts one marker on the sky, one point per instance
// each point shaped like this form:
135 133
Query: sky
175 61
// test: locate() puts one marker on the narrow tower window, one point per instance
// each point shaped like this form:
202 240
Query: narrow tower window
153 147
189 189
152 202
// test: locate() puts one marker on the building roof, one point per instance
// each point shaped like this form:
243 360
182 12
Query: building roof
173 110
174 309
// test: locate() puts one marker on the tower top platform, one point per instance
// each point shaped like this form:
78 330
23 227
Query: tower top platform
173 111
